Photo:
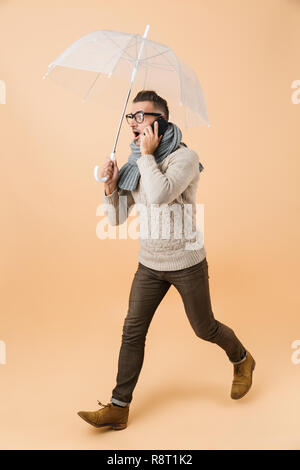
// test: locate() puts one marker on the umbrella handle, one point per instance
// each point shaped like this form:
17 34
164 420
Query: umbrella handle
96 169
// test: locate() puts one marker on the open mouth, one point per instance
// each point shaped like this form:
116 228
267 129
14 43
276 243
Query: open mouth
136 134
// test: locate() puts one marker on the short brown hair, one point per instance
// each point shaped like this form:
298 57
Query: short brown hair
150 95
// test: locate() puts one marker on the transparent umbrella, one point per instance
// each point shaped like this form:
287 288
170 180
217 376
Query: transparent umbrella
131 57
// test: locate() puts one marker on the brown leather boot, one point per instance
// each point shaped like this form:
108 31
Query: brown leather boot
242 379
109 415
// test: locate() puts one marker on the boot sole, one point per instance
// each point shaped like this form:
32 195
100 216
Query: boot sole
115 426
241 396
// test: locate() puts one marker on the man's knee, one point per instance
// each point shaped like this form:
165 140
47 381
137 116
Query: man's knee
134 333
208 331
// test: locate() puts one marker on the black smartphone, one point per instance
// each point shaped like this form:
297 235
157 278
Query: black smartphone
162 125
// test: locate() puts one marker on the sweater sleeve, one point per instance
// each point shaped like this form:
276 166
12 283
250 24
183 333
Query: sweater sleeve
165 187
113 202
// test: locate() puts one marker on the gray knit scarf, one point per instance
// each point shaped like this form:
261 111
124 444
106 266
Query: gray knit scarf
129 173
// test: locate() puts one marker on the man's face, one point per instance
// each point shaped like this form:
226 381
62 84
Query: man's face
147 107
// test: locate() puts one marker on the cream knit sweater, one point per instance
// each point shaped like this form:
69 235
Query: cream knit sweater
165 199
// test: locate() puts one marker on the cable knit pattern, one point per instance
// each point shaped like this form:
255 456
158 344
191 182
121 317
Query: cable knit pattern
162 185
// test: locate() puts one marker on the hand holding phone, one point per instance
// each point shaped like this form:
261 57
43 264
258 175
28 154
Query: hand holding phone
149 142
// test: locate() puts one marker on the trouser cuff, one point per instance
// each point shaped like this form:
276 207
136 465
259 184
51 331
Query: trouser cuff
119 402
242 360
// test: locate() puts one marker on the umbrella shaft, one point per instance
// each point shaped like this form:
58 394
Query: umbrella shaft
120 123
129 91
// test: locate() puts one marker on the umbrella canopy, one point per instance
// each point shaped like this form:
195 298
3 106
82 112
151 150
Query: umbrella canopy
106 53
131 57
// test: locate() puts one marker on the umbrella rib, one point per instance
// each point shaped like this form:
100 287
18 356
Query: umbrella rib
130 58
92 86
110 73
166 57
155 55
180 81
147 41
160 66
122 50
117 45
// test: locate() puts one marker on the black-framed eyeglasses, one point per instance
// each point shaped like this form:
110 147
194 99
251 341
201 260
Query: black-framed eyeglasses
139 116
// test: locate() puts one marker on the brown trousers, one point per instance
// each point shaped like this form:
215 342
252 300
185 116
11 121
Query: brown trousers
148 288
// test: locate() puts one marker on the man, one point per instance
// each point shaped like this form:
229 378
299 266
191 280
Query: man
164 172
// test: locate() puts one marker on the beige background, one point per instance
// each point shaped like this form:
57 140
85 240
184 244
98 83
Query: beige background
64 292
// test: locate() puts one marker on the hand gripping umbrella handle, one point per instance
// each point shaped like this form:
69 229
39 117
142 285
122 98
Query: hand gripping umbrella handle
96 169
